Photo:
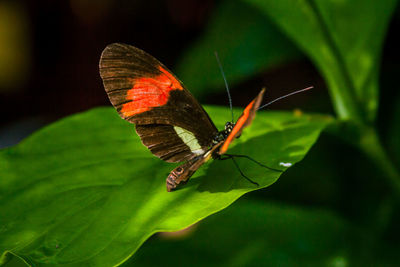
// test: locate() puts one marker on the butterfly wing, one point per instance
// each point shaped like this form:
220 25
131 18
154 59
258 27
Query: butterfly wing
168 119
182 173
244 120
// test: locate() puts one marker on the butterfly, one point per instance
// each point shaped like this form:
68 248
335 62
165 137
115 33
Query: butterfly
168 119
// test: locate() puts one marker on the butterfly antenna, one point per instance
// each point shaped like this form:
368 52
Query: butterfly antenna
281 97
226 83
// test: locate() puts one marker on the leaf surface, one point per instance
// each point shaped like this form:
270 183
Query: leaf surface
85 191
250 233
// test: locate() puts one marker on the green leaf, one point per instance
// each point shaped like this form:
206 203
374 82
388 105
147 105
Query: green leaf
85 190
344 39
247 44
253 233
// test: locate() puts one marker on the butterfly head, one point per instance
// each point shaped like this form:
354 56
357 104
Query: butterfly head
222 135
228 127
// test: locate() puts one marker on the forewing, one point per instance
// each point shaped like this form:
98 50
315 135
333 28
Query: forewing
146 93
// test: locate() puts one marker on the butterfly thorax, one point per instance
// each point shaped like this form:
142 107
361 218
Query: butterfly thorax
222 135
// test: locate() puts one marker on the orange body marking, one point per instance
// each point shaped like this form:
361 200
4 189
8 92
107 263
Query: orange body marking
237 129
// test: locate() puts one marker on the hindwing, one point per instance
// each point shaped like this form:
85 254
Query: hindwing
245 119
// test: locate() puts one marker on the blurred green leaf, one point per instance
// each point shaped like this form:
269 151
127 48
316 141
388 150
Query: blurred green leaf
246 41
344 39
253 233
85 190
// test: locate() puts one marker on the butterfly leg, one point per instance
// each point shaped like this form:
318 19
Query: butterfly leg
247 178
228 156
255 161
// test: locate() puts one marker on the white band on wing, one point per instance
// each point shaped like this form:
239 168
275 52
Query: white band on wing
190 140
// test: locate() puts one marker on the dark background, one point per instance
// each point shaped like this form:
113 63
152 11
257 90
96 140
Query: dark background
57 46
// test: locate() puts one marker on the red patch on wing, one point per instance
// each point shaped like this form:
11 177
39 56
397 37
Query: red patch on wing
149 92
